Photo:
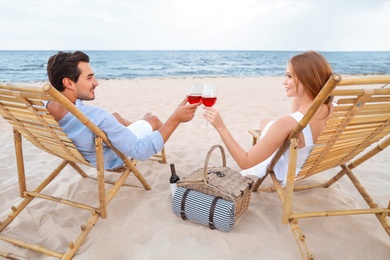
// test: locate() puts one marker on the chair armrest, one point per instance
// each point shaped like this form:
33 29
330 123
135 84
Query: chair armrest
255 135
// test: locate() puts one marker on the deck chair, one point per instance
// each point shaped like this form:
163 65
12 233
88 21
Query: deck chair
360 120
24 109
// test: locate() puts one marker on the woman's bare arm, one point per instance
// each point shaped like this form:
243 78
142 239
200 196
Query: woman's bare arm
264 148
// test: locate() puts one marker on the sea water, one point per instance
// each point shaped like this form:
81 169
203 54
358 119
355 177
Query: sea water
30 66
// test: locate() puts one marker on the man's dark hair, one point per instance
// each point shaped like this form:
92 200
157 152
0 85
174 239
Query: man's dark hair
64 65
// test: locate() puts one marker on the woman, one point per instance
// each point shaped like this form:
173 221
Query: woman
306 74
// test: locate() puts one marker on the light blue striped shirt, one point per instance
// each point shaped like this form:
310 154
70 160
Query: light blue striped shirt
120 136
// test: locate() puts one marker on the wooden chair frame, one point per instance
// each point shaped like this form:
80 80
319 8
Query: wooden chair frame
361 119
24 109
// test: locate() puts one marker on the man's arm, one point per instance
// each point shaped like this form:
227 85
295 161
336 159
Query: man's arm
57 110
142 149
183 113
121 120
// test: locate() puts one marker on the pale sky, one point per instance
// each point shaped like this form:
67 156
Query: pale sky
322 25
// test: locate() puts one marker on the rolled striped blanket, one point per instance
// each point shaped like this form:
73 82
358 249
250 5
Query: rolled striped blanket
204 209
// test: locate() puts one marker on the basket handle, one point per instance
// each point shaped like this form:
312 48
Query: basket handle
206 161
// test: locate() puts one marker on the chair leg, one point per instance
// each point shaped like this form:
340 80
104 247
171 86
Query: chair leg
137 174
11 256
100 177
380 147
300 238
78 170
23 204
16 210
85 229
163 156
298 235
31 246
258 182
370 201
335 178
287 204
20 162
385 216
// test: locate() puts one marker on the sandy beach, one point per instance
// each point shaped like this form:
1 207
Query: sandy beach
141 224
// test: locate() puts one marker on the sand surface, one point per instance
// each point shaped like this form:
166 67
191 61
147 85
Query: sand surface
141 224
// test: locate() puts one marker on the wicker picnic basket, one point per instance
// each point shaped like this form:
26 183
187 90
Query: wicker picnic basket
221 182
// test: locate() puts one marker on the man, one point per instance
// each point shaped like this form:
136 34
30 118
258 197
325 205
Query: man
71 74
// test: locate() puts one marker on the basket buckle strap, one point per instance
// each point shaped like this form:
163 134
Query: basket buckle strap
212 210
183 204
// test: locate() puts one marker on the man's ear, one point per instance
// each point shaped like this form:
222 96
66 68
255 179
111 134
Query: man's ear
68 83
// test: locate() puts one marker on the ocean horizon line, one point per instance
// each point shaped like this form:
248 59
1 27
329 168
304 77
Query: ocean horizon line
30 65
45 81
194 50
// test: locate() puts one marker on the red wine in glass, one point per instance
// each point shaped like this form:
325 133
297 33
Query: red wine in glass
193 98
195 93
209 97
209 101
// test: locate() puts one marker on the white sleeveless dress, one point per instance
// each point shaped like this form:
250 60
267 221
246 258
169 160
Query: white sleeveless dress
281 166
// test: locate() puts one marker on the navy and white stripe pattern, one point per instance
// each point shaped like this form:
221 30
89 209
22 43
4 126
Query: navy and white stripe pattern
197 209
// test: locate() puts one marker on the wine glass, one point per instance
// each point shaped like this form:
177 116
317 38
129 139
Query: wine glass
195 94
209 97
